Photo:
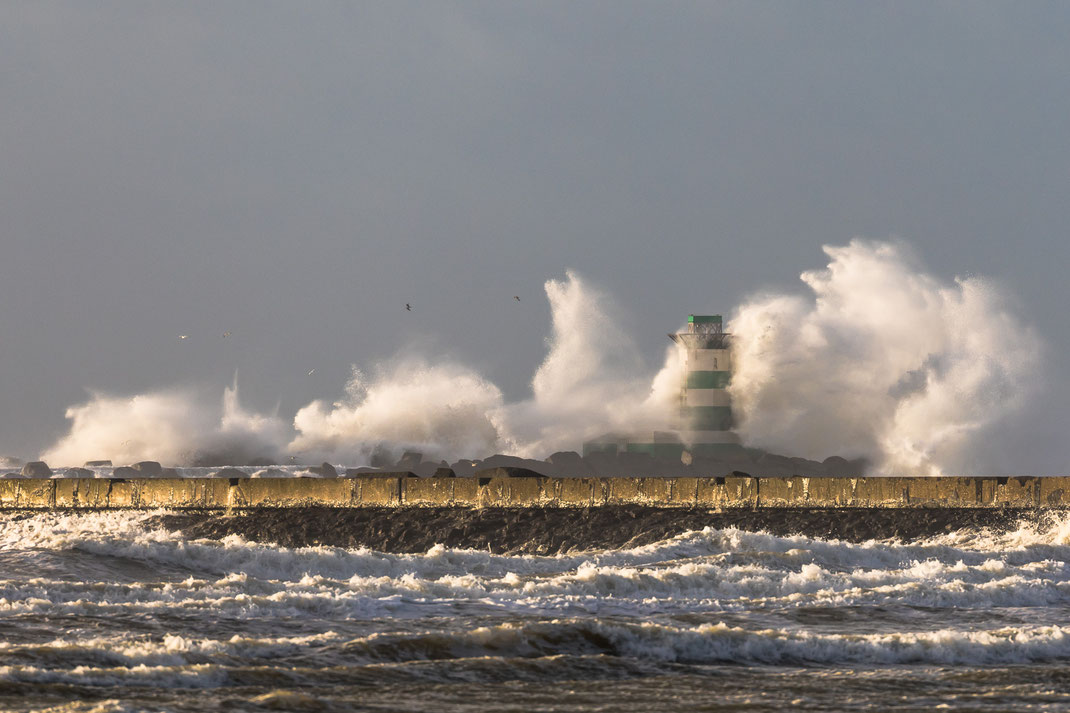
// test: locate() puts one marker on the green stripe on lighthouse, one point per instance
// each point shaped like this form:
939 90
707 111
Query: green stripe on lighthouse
708 418
708 379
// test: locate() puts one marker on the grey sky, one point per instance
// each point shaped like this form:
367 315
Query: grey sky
296 172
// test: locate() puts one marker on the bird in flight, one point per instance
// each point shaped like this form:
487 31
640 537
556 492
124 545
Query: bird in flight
311 372
408 307
183 336
226 334
516 297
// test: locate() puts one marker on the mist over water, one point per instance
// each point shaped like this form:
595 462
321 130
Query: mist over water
880 360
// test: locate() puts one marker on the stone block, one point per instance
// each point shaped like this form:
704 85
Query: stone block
1017 492
776 492
9 493
655 491
37 493
683 492
710 492
91 493
828 492
624 491
283 492
121 493
525 491
157 493
741 492
466 492
67 492
493 492
572 492
427 491
378 491
1055 491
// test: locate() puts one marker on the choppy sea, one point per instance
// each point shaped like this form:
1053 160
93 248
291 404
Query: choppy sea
99 612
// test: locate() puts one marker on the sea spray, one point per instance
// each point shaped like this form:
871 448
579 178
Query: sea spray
438 409
173 426
885 362
882 361
591 381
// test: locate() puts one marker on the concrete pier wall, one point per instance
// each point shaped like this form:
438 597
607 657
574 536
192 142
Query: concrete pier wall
400 490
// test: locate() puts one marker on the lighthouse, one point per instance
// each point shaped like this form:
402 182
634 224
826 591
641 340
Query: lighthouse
702 425
705 418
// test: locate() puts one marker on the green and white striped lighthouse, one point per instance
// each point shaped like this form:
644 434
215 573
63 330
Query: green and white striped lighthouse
703 425
705 406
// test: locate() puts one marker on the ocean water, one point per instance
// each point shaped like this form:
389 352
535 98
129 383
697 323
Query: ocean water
99 612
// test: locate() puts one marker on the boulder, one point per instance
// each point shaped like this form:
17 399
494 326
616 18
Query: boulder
230 473
427 469
843 468
770 465
148 469
126 471
503 461
78 473
409 460
444 473
324 470
466 468
570 464
36 469
98 464
381 458
808 468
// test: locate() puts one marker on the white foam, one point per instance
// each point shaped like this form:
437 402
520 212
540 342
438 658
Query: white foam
720 643
619 602
711 570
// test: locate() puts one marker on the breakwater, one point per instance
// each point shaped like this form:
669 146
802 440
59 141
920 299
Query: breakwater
498 488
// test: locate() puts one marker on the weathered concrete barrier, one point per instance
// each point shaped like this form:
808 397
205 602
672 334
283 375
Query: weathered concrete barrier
389 490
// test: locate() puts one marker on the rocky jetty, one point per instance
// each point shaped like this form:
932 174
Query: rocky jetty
557 530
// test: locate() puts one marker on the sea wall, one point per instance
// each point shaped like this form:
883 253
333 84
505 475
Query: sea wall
388 490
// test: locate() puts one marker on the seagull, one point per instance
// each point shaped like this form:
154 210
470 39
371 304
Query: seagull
183 336
408 307
226 334
516 297
311 372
